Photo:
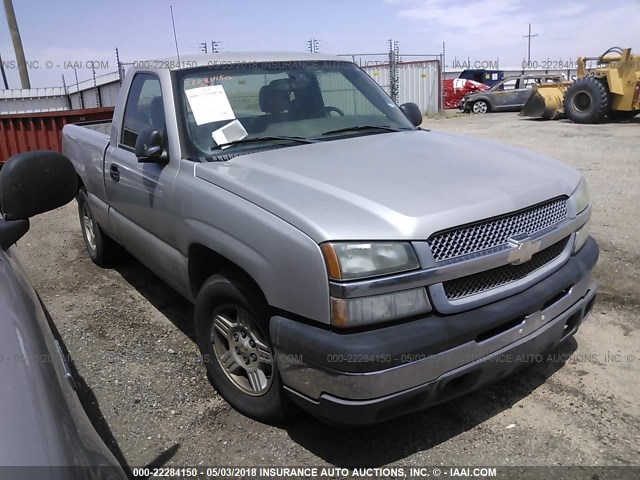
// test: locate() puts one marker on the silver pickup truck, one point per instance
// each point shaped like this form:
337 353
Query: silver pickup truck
339 257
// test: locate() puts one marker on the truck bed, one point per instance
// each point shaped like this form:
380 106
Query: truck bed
98 126
85 145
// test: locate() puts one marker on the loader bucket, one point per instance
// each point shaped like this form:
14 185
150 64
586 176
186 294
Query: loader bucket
546 101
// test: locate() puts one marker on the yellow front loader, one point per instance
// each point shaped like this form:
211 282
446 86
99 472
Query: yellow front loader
611 89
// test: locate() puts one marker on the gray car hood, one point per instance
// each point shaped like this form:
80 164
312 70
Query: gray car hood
391 186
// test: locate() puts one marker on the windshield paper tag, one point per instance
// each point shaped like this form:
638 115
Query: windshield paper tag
231 132
209 104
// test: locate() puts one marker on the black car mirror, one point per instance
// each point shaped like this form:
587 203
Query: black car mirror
149 147
36 182
413 113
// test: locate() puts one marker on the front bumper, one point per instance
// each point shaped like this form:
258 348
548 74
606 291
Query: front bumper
367 377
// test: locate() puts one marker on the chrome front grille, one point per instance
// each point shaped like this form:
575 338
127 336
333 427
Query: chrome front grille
496 277
496 231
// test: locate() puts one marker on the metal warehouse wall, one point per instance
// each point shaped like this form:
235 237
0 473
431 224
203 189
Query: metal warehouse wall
33 100
102 92
569 74
419 82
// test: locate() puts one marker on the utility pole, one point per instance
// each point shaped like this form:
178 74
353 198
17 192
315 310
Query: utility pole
120 67
528 36
4 75
75 72
175 37
313 45
66 93
394 74
215 47
17 43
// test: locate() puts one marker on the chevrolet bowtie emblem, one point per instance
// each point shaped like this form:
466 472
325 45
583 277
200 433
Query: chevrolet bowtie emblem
523 250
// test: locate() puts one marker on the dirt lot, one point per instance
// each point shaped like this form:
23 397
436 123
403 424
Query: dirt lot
131 339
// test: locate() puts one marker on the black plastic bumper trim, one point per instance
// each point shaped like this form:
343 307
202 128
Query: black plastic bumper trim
390 346
460 381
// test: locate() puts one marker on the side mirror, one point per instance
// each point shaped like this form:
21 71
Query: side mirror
149 148
36 182
32 183
413 113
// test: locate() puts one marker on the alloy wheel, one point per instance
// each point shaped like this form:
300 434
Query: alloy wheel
244 356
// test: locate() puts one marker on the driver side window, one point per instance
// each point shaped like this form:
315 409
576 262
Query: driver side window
509 85
143 109
337 91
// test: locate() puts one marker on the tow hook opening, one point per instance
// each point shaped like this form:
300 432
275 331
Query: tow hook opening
486 335
459 384
589 307
571 324
556 298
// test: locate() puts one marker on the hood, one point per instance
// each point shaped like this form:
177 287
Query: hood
391 186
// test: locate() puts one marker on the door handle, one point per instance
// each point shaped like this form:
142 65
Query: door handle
114 172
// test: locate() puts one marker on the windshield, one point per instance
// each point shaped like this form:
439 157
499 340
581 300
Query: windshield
232 107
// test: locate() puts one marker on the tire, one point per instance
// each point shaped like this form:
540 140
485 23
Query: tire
622 115
586 101
232 329
100 247
480 106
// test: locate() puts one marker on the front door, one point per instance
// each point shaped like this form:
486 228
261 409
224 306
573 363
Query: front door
140 194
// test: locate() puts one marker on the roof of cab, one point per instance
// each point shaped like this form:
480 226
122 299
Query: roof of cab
231 58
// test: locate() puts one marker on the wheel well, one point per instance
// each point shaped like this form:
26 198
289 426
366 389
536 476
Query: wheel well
80 183
204 262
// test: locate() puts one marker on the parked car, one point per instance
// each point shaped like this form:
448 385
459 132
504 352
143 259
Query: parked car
43 423
339 257
508 95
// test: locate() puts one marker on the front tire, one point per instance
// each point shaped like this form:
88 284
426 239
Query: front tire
232 330
480 106
102 249
586 101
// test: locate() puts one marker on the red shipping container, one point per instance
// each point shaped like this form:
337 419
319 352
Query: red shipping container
24 132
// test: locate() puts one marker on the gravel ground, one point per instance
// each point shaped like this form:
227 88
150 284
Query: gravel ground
132 343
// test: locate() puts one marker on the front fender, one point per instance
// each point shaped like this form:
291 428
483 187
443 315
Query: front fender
287 265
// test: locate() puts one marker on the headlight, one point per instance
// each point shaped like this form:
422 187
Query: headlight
581 237
581 196
347 261
355 312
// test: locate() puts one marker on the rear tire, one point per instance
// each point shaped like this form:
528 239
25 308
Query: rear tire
100 247
586 101
232 330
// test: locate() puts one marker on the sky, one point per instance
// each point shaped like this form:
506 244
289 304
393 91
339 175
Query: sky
68 33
